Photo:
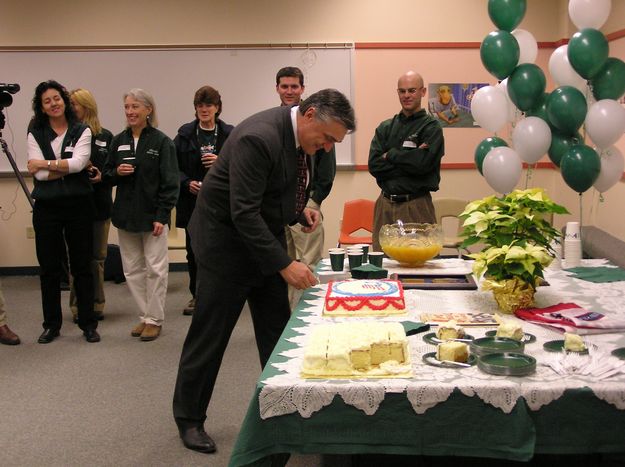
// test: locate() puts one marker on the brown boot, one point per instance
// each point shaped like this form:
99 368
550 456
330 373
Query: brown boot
8 337
150 332
137 330
190 308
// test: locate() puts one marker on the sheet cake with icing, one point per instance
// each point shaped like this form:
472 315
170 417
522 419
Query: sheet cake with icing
365 349
365 297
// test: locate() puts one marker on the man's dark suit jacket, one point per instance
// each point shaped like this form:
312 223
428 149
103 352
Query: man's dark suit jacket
247 198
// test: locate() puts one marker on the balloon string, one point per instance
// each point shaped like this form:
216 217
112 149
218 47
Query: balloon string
580 210
528 175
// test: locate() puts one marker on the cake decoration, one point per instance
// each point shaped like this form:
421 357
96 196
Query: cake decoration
364 297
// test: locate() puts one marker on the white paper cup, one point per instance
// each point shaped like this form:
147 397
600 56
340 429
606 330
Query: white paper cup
572 230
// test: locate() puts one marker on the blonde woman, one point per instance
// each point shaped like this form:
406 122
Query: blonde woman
86 110
142 164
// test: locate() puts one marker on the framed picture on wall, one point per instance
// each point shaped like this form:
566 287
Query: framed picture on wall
450 103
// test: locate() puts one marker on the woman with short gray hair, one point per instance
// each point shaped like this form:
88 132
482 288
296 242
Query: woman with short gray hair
142 163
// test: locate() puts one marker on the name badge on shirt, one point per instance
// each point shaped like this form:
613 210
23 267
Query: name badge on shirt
101 143
124 147
409 144
69 149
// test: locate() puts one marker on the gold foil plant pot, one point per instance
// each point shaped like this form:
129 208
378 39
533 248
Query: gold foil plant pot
411 244
511 294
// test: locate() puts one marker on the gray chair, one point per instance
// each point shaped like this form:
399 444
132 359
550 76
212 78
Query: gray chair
447 212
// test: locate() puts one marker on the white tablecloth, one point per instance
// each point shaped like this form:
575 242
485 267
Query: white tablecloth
289 393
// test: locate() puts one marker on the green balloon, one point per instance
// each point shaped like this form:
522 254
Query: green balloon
609 82
560 144
540 109
580 167
484 147
587 52
499 53
506 14
566 109
526 85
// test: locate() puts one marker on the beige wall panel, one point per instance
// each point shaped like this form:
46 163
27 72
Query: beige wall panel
144 22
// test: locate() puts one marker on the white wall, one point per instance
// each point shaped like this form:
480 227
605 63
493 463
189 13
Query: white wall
196 22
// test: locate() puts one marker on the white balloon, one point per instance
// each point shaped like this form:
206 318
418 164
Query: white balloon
512 112
531 139
612 167
562 71
589 13
489 108
502 169
527 45
605 122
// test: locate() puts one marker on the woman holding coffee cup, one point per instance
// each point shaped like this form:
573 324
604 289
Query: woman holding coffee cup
198 144
142 163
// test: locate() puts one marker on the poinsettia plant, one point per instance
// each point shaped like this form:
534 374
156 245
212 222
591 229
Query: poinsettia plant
516 231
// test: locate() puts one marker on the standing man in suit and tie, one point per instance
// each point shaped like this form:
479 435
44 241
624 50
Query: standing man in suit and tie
237 233
302 246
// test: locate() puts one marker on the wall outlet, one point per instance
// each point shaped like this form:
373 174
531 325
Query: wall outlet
30 232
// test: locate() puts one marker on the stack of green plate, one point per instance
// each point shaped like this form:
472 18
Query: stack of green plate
507 364
486 345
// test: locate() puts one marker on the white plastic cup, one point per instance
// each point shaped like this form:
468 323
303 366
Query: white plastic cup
572 231
572 252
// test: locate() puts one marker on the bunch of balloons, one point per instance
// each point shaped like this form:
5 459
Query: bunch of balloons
589 85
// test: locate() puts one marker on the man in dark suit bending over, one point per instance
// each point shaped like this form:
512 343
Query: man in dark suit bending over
256 187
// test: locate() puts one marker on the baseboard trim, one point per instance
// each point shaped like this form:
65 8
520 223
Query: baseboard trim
34 270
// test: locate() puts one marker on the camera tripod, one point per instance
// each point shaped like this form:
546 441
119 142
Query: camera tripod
16 171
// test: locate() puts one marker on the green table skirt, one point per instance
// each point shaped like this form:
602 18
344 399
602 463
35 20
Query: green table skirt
576 423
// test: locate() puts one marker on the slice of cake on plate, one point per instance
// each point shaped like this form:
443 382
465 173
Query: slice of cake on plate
573 342
511 330
364 297
452 351
450 330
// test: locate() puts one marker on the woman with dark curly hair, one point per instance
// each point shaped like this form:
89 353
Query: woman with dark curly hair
59 148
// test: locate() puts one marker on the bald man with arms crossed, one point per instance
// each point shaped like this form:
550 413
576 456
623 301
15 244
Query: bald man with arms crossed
405 159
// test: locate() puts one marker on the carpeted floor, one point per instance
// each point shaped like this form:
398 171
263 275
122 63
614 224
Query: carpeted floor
70 403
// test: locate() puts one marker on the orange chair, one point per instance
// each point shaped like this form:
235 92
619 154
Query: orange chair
357 215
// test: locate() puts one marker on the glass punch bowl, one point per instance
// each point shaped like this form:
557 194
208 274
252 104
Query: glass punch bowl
411 244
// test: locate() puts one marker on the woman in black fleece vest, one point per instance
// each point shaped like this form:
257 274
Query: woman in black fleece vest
59 148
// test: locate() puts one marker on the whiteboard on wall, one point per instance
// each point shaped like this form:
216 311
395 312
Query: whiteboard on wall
245 78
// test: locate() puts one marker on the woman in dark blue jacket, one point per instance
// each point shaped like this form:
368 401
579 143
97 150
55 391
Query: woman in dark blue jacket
198 144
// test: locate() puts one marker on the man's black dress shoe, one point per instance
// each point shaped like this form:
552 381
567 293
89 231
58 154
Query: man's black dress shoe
48 336
197 439
91 335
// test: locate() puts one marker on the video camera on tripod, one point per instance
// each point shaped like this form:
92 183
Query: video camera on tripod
6 100
5 94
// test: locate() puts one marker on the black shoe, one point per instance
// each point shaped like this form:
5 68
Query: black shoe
196 439
91 335
48 336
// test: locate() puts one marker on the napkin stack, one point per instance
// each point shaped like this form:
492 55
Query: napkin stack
569 317
598 274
